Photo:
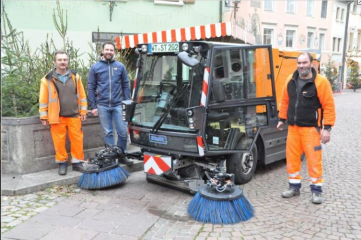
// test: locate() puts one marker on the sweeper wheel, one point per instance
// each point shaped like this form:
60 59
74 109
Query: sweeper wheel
243 165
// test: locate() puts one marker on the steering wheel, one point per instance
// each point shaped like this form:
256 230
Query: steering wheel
167 87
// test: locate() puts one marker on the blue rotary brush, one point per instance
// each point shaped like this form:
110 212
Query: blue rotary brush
220 202
104 170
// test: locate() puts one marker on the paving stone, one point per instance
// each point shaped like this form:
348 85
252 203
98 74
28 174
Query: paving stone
97 225
88 213
61 210
28 231
7 219
14 223
108 236
40 209
55 220
69 233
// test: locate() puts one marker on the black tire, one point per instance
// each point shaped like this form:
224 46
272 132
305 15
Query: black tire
243 170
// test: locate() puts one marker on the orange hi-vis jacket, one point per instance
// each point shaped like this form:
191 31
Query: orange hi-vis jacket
312 106
49 105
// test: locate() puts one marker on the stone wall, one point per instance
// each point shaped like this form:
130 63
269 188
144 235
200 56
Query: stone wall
27 146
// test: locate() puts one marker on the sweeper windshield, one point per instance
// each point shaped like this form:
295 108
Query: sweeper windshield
166 88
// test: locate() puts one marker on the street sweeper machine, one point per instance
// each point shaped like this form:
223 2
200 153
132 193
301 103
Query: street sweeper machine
207 110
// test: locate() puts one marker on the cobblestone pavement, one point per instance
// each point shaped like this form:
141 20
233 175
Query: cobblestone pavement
140 210
18 209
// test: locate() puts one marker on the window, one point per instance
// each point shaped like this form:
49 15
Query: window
337 14
339 45
269 5
227 3
171 2
310 4
359 40
291 6
336 44
342 14
268 36
354 9
98 37
324 9
290 38
310 40
350 43
321 41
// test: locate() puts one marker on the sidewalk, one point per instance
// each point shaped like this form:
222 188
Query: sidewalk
32 182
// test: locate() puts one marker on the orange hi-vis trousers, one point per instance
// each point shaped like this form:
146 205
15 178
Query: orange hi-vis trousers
307 140
58 133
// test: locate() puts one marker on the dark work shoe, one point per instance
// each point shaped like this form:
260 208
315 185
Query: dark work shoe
317 198
290 193
125 160
63 167
77 166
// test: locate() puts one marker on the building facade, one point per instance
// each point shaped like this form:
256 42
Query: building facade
286 24
353 47
111 17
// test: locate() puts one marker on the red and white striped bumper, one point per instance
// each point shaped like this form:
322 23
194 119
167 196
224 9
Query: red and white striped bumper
157 164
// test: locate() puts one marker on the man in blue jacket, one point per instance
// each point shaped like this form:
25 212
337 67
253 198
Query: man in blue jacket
108 86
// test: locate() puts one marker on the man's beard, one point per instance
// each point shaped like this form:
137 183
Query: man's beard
305 73
108 56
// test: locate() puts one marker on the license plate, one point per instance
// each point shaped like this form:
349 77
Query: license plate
163 47
158 139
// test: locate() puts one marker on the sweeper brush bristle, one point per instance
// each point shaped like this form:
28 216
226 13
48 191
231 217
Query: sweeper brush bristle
103 179
215 208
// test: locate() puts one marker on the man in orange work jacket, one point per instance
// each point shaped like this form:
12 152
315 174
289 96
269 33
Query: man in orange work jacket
307 104
63 105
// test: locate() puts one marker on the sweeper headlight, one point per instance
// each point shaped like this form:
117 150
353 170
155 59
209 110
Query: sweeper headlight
185 46
189 112
144 48
195 117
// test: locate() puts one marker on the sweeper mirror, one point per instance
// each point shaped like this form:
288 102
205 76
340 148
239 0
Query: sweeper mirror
187 59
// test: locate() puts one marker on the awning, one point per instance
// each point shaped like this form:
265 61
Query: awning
186 34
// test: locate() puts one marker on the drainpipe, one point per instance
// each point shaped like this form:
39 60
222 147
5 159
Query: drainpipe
220 11
343 60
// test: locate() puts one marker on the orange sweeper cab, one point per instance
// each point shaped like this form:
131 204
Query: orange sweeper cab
202 107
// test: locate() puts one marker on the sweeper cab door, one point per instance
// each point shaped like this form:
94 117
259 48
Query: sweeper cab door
241 100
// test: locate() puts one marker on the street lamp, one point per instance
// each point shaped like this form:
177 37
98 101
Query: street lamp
343 60
235 7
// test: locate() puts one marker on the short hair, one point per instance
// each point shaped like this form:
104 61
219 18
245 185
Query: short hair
307 54
60 52
110 43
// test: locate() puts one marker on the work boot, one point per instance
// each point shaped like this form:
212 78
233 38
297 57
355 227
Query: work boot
317 198
290 193
77 166
63 167
125 160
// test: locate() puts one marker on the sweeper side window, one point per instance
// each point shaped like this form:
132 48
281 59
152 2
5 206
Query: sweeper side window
244 73
234 127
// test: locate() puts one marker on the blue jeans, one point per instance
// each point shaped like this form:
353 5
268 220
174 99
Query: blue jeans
108 115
